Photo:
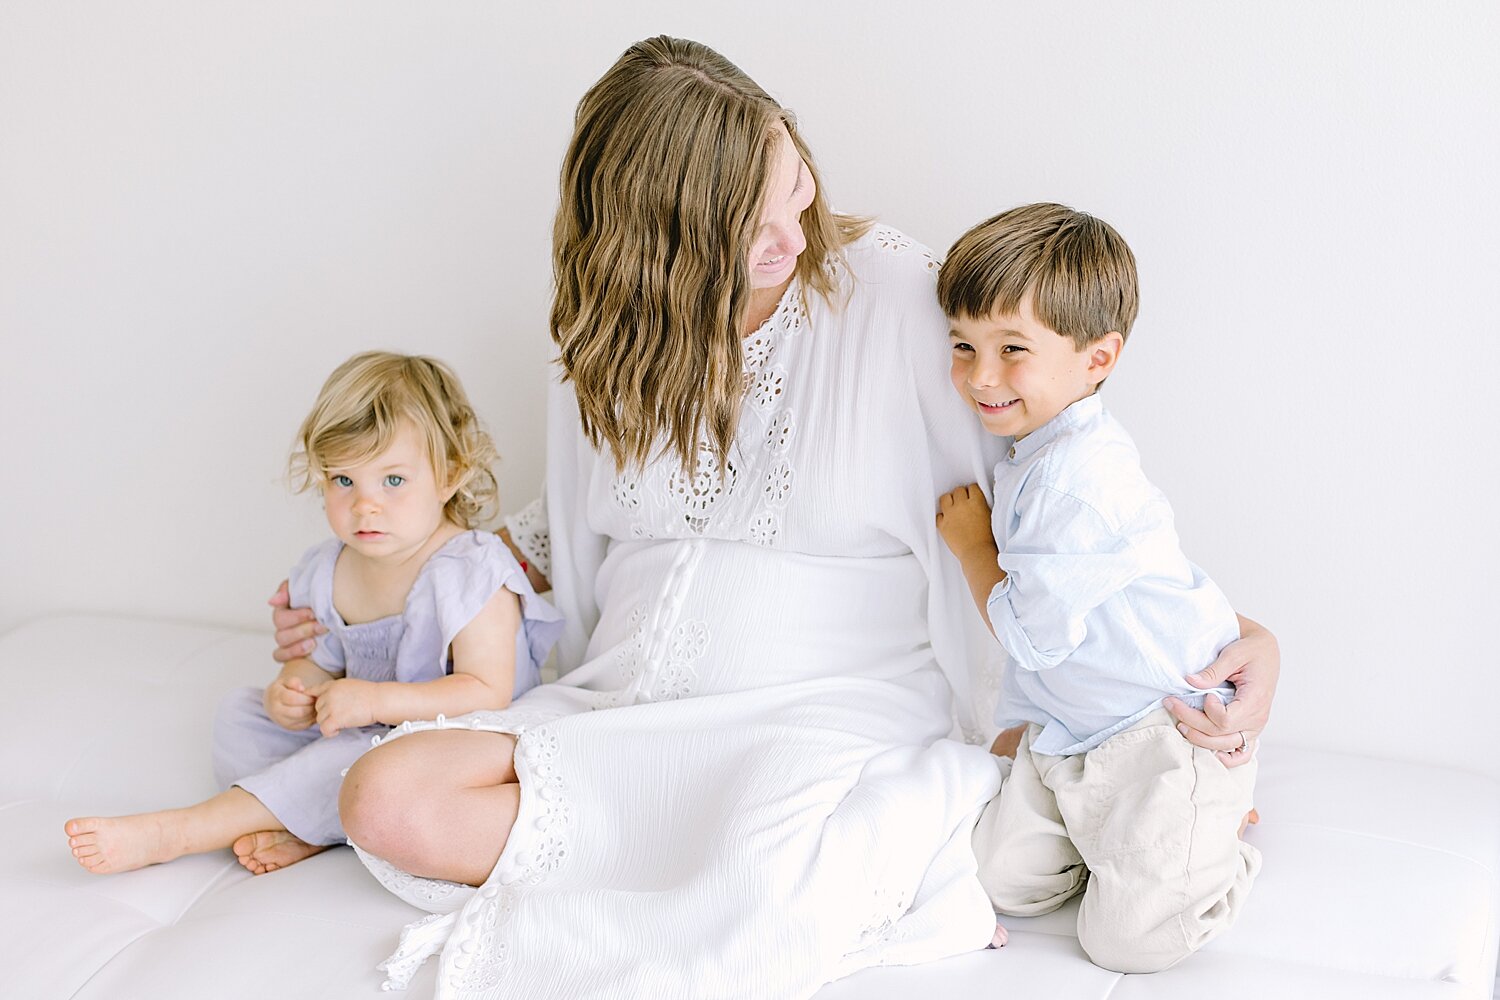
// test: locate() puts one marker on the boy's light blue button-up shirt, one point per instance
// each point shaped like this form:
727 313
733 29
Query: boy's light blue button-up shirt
1100 611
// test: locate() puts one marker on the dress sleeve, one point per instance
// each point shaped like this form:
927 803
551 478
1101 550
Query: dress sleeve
577 550
940 446
528 529
310 585
1062 561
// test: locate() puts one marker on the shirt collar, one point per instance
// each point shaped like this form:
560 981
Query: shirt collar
1086 409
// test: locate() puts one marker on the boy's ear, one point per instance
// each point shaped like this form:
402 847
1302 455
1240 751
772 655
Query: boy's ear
1103 353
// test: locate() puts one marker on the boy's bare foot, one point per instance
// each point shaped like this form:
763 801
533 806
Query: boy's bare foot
106 844
269 850
1001 936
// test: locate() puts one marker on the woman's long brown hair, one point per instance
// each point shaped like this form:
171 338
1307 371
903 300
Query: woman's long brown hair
660 199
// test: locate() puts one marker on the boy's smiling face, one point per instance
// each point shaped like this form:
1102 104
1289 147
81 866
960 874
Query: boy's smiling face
1017 374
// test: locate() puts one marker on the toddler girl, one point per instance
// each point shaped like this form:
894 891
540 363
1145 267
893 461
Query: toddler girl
424 617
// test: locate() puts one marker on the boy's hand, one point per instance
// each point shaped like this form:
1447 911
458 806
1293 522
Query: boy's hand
288 703
963 520
344 703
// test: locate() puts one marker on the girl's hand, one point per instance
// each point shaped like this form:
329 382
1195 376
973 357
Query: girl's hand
288 703
963 520
345 703
296 628
1252 663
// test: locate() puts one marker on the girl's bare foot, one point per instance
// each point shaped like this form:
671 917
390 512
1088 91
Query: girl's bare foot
1001 936
269 850
106 844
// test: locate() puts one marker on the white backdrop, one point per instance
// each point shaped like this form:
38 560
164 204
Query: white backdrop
204 207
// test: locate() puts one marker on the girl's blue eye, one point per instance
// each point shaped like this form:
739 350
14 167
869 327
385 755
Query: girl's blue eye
343 481
394 480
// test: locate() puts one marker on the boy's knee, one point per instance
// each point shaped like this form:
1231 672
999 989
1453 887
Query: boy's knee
1134 949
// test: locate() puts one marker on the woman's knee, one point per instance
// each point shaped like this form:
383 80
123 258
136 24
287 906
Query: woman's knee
380 801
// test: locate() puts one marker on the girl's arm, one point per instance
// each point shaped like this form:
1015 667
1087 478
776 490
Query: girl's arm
288 700
484 677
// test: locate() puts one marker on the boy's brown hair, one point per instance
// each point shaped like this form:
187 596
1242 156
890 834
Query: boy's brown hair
1078 272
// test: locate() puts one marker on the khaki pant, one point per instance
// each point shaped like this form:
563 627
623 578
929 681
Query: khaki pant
1145 825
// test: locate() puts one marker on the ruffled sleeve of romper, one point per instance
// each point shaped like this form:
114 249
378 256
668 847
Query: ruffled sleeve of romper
455 585
310 585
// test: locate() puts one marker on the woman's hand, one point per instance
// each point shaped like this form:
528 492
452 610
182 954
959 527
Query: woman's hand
297 630
1252 663
345 703
288 703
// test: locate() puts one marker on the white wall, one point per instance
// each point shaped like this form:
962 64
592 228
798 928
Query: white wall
204 207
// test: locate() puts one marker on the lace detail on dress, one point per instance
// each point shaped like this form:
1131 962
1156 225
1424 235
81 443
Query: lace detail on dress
779 432
791 315
985 677
628 656
474 955
528 529
778 484
758 347
894 241
537 750
767 387
764 528
883 927
679 674
433 895
696 496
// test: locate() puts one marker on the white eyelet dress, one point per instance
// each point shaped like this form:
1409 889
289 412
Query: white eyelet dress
744 783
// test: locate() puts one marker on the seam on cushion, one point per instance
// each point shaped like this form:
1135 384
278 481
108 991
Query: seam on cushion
193 901
1392 840
107 962
167 678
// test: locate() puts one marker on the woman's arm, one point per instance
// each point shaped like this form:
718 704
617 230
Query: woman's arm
484 677
297 630
1252 663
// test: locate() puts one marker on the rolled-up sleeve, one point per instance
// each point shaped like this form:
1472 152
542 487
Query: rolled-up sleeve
1061 562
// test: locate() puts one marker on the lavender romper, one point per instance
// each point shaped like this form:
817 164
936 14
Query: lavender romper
296 775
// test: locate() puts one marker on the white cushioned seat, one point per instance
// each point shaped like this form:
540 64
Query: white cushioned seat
1381 878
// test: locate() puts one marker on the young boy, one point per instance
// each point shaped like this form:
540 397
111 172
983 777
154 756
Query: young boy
1079 575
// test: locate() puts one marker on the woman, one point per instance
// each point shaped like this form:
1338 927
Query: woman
742 785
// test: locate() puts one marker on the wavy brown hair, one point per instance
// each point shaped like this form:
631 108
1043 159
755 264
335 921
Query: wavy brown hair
660 198
363 406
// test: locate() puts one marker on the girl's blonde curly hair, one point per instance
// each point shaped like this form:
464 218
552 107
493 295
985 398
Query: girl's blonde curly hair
364 404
